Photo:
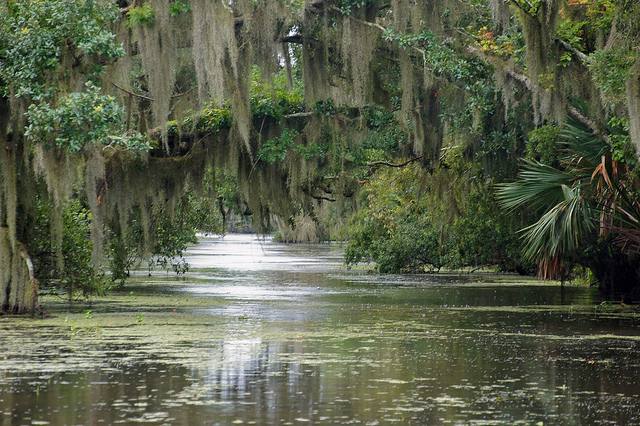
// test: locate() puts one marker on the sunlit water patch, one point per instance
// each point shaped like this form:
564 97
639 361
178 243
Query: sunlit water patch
264 333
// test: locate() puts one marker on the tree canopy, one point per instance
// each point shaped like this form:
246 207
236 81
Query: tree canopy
125 107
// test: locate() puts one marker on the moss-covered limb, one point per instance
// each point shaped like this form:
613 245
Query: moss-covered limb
266 111
531 85
581 56
524 81
374 164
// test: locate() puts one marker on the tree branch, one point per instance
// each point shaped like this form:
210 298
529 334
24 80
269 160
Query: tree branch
519 6
321 198
293 38
397 165
530 85
300 114
141 96
138 95
569 48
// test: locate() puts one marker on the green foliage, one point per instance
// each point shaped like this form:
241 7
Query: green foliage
571 31
212 119
35 36
79 275
530 7
509 44
482 237
80 119
542 144
274 98
610 69
348 6
439 57
271 100
383 140
142 15
311 150
122 255
413 246
577 203
207 209
385 133
172 231
275 149
179 7
326 108
172 234
388 230
622 149
404 227
223 186
601 13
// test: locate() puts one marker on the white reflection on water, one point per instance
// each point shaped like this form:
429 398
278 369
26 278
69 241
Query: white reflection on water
277 334
252 292
252 268
248 252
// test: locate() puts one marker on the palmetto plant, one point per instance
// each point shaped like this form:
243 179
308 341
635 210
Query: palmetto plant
586 197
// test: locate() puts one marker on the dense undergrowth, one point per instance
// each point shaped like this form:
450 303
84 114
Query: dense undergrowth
403 227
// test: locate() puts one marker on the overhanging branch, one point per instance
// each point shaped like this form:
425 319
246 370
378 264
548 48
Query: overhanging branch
397 165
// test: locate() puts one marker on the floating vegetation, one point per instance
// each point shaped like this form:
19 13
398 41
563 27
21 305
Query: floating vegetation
350 348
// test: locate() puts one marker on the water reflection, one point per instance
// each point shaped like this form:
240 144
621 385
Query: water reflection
276 334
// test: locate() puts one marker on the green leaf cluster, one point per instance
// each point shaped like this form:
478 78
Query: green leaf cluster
141 15
542 144
275 149
36 36
80 119
442 59
274 98
178 7
610 69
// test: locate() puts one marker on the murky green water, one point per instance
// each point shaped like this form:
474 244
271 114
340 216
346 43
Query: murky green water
260 333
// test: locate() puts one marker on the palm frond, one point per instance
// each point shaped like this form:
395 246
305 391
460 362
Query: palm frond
538 186
588 196
561 231
580 145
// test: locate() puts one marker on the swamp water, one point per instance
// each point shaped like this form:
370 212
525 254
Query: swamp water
263 333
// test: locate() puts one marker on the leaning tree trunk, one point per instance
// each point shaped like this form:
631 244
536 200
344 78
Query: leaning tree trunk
18 286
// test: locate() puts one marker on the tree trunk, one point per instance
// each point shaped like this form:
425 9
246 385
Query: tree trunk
17 283
18 286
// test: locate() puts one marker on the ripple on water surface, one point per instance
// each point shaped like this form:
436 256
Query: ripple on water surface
264 333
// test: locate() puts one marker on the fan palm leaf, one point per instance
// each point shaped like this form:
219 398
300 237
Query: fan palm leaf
561 231
538 187
561 196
